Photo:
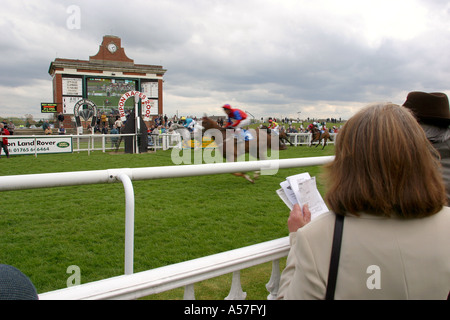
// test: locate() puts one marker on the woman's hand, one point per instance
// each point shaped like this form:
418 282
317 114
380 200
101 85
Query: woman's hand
298 217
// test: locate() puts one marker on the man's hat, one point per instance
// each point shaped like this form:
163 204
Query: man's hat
227 106
432 108
14 285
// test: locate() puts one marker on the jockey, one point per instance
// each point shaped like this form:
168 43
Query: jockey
237 119
188 123
319 126
273 126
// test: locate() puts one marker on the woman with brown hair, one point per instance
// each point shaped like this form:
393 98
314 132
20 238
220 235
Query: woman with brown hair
385 180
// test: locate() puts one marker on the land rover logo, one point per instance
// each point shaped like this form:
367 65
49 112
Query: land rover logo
63 144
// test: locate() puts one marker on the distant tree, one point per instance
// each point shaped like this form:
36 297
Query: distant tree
29 120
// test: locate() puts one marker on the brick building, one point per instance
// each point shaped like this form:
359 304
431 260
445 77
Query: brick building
103 79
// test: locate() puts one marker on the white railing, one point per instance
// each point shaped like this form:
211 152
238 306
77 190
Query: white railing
305 138
100 142
185 274
105 142
164 141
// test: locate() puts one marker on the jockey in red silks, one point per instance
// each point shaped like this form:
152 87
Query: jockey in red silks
237 119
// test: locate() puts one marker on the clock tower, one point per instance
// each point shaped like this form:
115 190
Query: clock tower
111 51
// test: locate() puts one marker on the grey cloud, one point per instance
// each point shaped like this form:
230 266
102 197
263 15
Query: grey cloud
260 55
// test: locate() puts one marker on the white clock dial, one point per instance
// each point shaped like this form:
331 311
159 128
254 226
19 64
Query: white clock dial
112 47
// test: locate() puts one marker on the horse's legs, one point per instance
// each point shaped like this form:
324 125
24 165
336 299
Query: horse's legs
312 140
319 138
318 142
289 140
233 158
244 175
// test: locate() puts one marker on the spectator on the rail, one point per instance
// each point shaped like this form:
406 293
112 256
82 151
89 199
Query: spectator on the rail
46 127
11 127
432 112
111 120
115 139
291 129
61 119
4 141
104 119
385 180
61 129
118 123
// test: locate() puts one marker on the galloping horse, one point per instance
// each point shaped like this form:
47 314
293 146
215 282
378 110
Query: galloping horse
208 123
318 136
282 135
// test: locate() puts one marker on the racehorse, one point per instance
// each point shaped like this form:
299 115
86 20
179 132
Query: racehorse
319 136
208 123
282 135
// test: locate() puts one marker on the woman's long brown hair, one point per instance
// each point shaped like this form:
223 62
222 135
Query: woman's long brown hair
384 166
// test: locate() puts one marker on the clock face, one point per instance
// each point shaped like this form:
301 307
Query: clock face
112 47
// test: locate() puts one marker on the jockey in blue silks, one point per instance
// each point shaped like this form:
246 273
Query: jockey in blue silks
189 123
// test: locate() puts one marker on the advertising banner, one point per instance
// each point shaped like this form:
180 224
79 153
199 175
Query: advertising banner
52 144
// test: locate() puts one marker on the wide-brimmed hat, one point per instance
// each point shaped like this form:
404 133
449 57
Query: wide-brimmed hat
432 108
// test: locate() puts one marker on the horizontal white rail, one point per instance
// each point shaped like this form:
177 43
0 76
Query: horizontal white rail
61 179
158 280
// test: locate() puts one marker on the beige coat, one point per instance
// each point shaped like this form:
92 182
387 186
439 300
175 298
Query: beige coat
380 258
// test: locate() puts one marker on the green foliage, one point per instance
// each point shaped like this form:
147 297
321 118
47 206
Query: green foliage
44 231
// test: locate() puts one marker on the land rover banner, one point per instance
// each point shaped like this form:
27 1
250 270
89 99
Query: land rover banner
53 144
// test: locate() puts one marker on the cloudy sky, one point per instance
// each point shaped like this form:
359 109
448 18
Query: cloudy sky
321 58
